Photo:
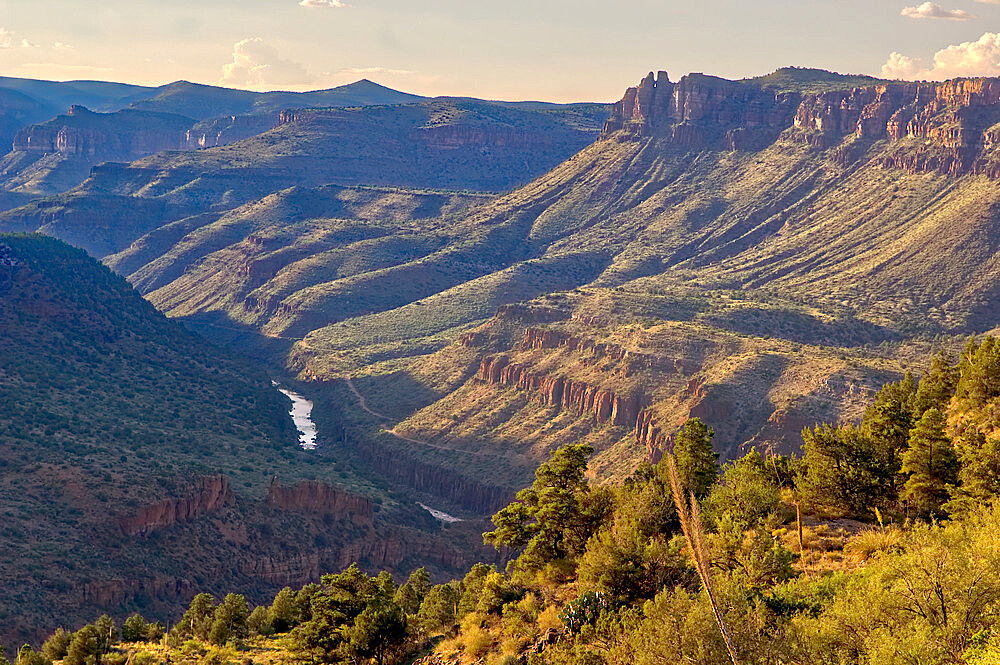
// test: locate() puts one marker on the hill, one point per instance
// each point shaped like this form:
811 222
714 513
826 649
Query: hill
141 464
205 101
440 144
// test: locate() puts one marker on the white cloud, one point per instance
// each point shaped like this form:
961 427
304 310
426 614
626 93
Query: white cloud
327 3
27 44
978 58
900 66
932 10
6 39
63 46
366 71
256 64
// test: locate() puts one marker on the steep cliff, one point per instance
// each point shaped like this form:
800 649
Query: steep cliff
227 129
123 135
577 396
213 494
945 127
316 497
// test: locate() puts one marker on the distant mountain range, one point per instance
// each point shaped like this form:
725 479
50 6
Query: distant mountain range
58 131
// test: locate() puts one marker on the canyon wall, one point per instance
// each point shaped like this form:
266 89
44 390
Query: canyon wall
423 477
125 135
702 111
213 494
576 396
227 129
947 127
316 497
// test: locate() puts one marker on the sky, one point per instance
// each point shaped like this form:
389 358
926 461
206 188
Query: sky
554 50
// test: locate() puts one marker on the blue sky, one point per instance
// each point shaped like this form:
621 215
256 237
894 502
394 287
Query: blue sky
559 50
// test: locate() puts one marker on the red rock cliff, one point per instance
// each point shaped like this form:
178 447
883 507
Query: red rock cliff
949 125
124 135
577 396
213 494
316 497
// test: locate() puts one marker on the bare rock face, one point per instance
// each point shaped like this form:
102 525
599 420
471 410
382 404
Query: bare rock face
702 111
213 494
316 497
947 127
123 135
227 129
577 396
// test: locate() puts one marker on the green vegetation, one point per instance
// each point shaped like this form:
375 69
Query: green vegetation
115 423
604 574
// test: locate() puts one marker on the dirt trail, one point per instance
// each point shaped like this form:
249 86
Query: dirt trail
363 403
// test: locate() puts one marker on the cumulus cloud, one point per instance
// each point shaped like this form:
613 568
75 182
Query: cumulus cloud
27 44
978 58
932 10
61 46
6 39
256 64
327 3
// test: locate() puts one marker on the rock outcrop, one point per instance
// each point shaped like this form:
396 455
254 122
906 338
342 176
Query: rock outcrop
123 135
213 494
547 338
948 127
458 136
316 497
703 111
467 492
115 593
565 393
227 129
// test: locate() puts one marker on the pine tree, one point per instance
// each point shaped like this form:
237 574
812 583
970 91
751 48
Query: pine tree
979 471
556 515
697 463
930 464
937 386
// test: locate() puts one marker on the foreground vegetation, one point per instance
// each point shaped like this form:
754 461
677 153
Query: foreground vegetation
679 560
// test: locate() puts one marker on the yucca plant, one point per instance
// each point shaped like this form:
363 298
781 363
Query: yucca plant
694 532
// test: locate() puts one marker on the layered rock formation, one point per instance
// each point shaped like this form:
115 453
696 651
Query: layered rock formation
227 129
83 134
213 494
577 396
547 338
955 122
703 111
467 492
316 497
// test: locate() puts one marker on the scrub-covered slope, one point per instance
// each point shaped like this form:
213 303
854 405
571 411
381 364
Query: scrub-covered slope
140 464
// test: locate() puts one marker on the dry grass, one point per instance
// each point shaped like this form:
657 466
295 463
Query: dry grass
870 542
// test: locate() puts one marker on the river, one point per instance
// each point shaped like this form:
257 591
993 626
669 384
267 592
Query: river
301 413
440 515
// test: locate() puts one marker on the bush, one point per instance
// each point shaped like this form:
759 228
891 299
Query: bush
866 544
144 658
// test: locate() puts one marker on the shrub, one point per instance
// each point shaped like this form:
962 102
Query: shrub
866 544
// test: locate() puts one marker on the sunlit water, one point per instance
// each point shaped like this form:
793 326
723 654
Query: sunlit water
440 515
301 412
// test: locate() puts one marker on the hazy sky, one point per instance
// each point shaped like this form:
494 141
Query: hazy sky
558 50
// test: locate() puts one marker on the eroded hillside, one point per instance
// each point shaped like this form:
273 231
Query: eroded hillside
140 464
